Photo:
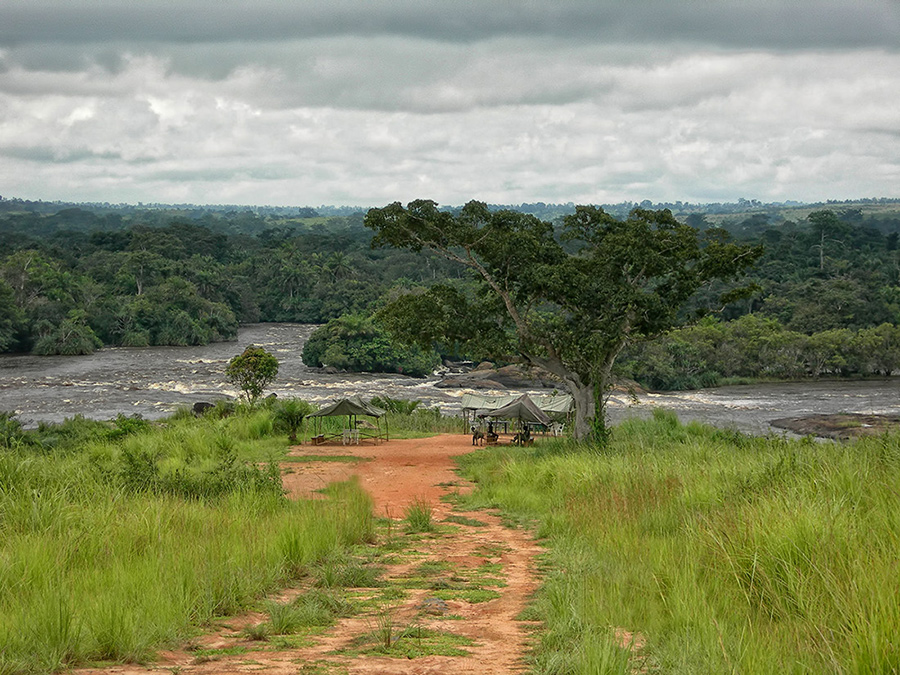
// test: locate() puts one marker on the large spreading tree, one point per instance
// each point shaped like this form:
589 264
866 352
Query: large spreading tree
567 302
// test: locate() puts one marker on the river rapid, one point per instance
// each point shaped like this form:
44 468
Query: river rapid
154 381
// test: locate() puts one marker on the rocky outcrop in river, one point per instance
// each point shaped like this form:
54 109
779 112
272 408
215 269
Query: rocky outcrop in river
487 376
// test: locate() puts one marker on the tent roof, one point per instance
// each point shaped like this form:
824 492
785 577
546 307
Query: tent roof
349 406
522 408
554 405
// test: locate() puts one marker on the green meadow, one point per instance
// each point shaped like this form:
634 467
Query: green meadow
676 549
686 549
120 539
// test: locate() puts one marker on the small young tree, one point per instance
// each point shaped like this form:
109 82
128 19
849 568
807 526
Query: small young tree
289 414
252 371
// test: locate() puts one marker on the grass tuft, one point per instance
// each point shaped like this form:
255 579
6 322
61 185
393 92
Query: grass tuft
419 517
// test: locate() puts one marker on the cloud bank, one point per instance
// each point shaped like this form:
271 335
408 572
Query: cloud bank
364 102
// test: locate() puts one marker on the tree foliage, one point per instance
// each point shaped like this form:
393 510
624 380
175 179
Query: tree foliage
567 308
356 343
755 346
252 371
70 337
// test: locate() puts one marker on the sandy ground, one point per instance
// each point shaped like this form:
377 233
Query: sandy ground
394 473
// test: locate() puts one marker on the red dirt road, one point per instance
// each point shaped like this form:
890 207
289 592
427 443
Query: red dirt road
394 473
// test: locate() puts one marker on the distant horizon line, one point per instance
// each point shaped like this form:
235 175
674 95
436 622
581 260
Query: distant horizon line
355 208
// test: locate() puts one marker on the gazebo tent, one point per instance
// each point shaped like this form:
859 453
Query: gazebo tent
353 407
555 406
522 409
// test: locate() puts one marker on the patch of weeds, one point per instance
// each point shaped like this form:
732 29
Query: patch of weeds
368 554
207 655
491 550
321 668
434 566
336 603
516 522
530 613
385 596
419 517
283 619
291 642
453 498
423 575
470 595
317 608
393 593
347 574
410 642
258 633
483 575
446 584
463 520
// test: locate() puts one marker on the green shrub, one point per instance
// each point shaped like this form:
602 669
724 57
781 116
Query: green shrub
289 414
10 430
400 406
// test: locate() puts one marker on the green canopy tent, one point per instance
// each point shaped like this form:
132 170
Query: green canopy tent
353 408
557 406
525 411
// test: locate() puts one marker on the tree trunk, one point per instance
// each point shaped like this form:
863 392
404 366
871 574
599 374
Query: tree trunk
585 409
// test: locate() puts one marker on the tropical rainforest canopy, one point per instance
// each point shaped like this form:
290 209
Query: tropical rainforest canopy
72 277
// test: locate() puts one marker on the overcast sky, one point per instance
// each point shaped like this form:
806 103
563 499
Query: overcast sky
365 102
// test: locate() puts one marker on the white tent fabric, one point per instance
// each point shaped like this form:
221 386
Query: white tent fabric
556 406
523 409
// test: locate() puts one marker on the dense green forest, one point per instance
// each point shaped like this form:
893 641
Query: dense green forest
73 277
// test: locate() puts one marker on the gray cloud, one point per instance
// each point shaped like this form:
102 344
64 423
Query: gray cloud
730 23
363 104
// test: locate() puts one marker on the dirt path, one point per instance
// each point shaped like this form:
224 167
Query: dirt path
459 588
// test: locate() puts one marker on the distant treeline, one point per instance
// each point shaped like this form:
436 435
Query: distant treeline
76 277
181 283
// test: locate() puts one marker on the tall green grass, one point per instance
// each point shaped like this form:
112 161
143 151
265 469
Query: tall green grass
114 545
726 553
420 422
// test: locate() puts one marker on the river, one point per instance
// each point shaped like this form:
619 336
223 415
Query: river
154 381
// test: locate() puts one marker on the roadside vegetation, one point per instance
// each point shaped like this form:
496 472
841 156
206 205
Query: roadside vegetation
686 549
117 539
121 538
